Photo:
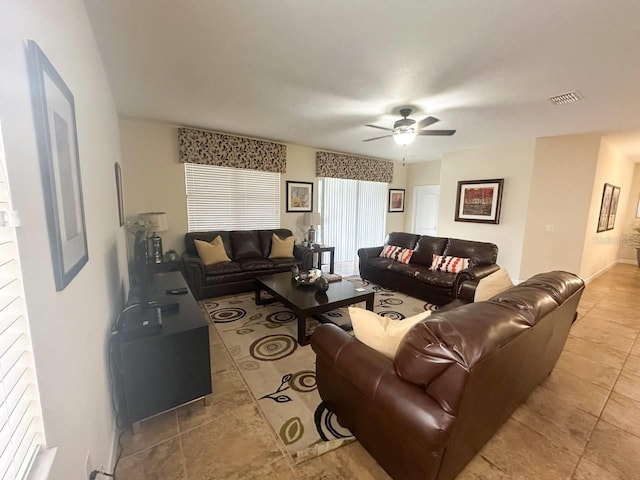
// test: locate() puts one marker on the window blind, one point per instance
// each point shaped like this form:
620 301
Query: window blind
224 198
21 429
353 215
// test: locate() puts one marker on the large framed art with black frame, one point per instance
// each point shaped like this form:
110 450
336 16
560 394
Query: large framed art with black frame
479 201
55 123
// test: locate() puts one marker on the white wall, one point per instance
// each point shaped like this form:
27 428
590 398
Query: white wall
600 250
154 179
512 162
629 254
561 191
69 328
419 174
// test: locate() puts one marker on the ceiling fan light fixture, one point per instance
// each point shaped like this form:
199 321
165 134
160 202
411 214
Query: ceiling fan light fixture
404 136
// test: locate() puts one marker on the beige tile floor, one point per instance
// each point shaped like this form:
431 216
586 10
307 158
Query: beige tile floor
582 423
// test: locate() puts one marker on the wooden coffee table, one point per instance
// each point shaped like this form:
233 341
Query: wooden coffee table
306 301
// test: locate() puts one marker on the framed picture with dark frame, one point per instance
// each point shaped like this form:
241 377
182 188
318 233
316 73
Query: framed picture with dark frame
299 196
479 201
118 172
396 200
613 209
57 137
605 207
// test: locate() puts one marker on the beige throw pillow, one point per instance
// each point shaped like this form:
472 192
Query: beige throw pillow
211 253
381 333
281 248
492 285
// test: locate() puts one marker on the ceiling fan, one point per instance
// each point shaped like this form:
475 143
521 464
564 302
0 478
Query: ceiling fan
405 130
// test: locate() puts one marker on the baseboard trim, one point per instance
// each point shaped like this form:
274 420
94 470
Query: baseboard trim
598 273
627 262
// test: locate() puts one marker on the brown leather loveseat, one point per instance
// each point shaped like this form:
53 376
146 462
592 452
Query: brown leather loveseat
456 378
416 279
249 253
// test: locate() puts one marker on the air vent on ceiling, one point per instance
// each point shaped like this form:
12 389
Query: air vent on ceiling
568 97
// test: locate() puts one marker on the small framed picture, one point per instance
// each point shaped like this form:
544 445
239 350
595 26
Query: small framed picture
119 193
605 206
613 209
479 201
299 196
396 200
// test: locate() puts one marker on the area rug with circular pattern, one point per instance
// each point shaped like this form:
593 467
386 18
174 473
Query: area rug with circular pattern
281 374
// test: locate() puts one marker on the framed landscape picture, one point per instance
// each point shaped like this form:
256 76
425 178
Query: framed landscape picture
605 206
299 196
396 200
55 123
479 201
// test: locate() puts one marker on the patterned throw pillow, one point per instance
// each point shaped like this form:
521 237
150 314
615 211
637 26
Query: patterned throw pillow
448 264
399 254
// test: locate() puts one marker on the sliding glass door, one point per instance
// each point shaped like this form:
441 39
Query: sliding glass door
353 215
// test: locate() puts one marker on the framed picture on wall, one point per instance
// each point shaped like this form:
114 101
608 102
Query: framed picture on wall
479 201
299 196
396 200
56 133
118 172
615 196
605 206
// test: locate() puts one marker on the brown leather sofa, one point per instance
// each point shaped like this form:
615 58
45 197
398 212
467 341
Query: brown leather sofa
415 279
249 251
456 378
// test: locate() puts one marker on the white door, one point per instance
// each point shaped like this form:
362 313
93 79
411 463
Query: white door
425 211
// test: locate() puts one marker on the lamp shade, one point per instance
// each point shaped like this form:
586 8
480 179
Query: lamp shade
157 220
312 218
404 136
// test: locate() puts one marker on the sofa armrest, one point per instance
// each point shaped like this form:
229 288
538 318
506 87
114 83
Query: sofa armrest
470 277
193 270
305 255
365 254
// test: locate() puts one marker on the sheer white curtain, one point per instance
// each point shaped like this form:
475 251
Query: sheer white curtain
353 215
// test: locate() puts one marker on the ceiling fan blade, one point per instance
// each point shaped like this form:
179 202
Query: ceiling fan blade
381 128
425 122
436 132
377 138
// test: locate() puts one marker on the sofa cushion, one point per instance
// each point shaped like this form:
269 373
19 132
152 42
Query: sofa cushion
492 285
480 253
266 236
402 239
437 279
381 333
380 262
281 248
285 262
253 264
222 268
426 247
442 263
399 254
190 237
407 270
246 244
211 252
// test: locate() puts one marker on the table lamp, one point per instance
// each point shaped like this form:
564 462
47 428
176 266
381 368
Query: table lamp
311 219
157 222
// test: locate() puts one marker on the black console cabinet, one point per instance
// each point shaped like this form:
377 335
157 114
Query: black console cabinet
163 367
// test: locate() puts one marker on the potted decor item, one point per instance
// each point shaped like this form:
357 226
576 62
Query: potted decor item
633 240
321 284
171 255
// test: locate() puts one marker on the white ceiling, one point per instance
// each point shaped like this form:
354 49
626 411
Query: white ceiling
315 72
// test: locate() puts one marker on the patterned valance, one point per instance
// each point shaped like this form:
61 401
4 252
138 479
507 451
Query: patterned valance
210 148
353 167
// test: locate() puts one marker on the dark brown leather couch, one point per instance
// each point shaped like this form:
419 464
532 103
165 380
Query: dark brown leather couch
416 279
249 251
456 378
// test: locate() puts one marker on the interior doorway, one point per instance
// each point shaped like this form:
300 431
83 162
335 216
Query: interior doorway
425 211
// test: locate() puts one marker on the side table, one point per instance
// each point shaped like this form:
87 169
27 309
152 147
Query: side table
163 267
320 251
